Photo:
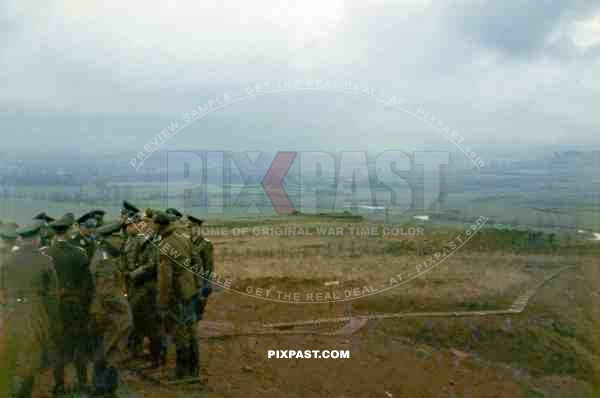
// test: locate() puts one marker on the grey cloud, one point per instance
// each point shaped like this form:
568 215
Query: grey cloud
9 25
519 28
434 56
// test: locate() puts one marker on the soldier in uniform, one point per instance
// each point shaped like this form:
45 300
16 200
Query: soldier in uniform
123 219
125 216
131 249
130 211
76 287
83 237
129 214
71 231
176 291
141 263
202 258
45 233
131 239
28 289
8 239
110 312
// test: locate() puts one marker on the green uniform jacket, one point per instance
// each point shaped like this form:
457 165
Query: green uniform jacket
110 310
76 292
85 243
131 250
142 268
28 285
176 284
202 256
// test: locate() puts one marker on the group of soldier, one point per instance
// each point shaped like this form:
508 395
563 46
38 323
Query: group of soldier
89 292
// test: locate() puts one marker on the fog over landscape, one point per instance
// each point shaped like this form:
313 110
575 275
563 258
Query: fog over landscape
168 139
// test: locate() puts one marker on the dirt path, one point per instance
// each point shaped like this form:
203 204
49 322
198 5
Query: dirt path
355 323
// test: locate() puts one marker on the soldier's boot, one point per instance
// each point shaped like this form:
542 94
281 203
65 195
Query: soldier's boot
23 387
194 358
181 366
106 380
112 380
164 347
100 379
136 345
59 381
82 382
154 353
158 351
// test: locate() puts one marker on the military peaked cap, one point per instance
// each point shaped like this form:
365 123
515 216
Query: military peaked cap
43 217
63 223
108 229
31 230
195 220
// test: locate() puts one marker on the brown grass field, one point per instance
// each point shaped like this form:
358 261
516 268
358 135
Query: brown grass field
548 350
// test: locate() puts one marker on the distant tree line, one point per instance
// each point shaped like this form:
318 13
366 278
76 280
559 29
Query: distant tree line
513 242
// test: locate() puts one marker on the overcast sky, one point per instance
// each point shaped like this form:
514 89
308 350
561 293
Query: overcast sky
111 74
